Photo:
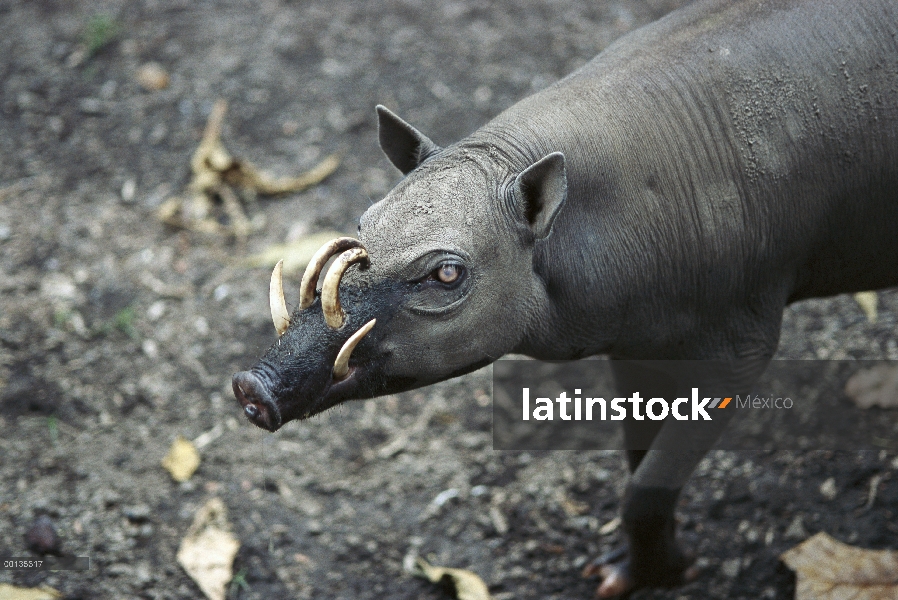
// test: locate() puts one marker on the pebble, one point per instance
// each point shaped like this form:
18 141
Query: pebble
91 106
152 77
42 538
828 489
138 513
796 530
129 189
730 568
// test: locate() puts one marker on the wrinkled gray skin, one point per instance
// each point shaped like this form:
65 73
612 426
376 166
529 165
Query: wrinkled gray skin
665 201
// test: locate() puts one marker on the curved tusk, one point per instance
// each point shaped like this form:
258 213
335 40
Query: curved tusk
310 277
330 289
276 301
341 365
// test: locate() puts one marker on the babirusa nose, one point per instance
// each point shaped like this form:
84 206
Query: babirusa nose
256 401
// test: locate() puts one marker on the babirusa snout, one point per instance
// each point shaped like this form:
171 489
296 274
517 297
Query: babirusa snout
341 364
310 277
330 290
276 300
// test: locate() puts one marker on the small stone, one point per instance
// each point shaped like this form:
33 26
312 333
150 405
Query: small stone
152 77
828 489
201 325
42 538
730 568
56 124
119 570
91 106
483 95
129 189
479 490
314 527
156 310
796 530
150 348
107 91
139 513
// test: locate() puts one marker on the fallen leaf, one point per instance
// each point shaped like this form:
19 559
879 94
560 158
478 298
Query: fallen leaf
11 592
182 459
877 386
867 301
467 585
207 551
827 569
296 255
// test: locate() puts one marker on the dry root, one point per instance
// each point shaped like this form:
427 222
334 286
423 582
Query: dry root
222 183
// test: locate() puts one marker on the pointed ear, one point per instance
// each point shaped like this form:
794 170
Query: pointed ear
541 190
405 146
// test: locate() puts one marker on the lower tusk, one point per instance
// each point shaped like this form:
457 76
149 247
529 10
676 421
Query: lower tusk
341 365
278 305
313 270
330 290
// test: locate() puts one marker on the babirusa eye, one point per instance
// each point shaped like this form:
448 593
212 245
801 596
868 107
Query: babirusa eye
448 272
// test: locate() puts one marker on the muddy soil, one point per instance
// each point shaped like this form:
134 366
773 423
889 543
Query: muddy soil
118 334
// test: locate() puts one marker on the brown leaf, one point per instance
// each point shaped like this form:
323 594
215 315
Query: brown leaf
467 585
207 551
827 569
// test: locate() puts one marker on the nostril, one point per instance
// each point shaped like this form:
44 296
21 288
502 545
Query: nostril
258 405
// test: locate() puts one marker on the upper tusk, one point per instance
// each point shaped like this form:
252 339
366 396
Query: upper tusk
310 277
330 289
341 364
279 313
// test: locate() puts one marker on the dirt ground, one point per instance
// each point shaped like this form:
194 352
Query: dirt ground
118 333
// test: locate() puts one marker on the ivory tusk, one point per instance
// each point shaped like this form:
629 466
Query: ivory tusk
330 289
341 364
278 305
310 276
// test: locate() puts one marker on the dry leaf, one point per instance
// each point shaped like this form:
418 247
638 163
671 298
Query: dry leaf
867 301
467 585
219 176
207 551
827 569
296 255
877 386
182 460
11 592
